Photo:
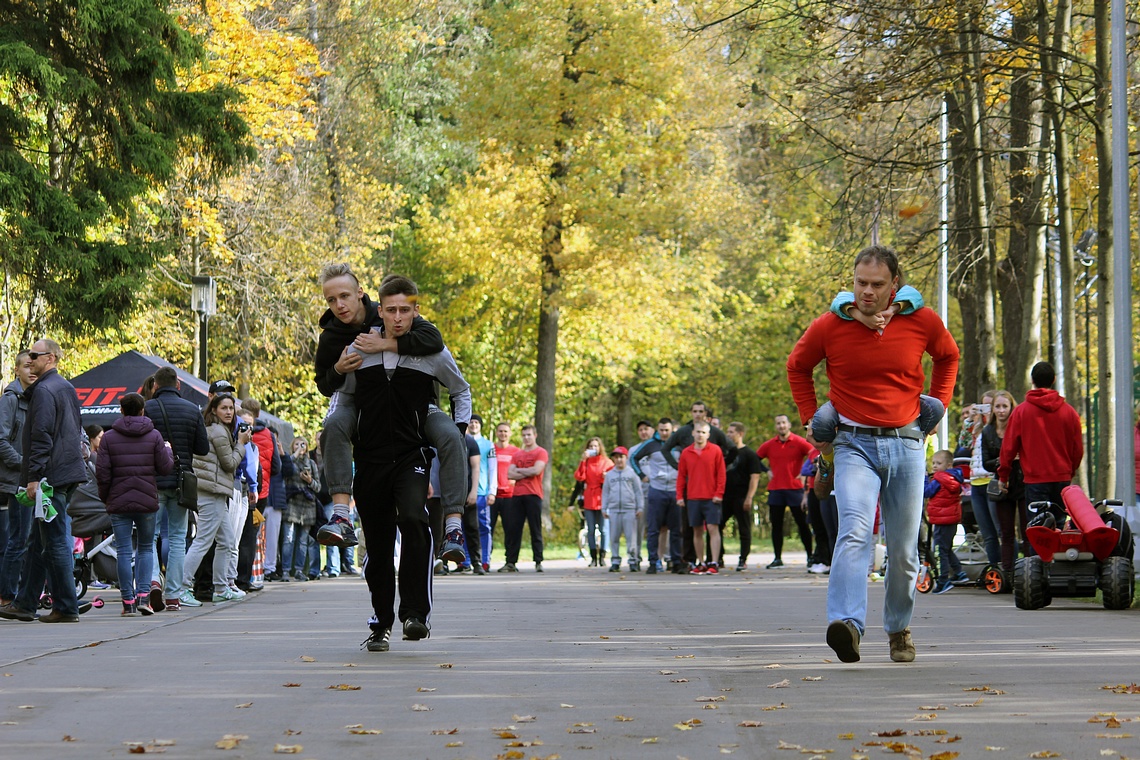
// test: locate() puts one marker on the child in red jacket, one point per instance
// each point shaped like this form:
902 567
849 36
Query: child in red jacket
944 512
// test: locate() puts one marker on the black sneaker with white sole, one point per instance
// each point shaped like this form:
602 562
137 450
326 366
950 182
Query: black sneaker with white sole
415 629
378 641
337 532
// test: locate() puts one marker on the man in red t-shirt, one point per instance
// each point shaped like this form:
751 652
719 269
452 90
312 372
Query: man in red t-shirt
500 502
876 378
700 491
786 454
526 505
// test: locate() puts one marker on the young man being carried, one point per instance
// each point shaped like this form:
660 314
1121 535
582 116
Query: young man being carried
392 456
352 330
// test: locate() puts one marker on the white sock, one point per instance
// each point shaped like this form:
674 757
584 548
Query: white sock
452 522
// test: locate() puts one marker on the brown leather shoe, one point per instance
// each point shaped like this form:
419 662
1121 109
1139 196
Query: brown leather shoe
12 612
55 616
902 648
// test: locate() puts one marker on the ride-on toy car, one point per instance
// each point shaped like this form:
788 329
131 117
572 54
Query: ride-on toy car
1090 549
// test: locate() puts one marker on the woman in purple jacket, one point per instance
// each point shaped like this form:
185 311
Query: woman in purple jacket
131 455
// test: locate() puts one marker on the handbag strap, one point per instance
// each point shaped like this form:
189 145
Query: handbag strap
166 424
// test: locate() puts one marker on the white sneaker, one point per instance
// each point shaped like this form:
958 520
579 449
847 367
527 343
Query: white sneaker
818 568
237 592
225 596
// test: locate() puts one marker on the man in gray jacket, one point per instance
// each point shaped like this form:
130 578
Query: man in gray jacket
51 443
16 519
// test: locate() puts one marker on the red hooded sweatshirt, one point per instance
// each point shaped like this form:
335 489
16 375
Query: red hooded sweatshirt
1046 433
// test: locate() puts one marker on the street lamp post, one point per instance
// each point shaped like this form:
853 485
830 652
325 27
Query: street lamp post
1085 258
203 300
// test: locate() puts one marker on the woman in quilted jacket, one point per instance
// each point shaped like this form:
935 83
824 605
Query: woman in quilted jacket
215 471
131 454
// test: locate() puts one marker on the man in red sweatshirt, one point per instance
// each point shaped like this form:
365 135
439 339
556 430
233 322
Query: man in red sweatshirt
875 377
700 490
1046 433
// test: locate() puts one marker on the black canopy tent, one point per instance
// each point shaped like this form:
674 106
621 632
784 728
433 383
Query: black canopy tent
101 387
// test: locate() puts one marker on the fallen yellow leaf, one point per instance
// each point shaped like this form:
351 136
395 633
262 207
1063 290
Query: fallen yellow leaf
750 724
709 699
769 708
307 658
454 744
1114 736
230 741
420 708
684 656
1045 753
622 718
784 745
667 672
355 725
242 705
425 688
507 735
287 749
532 743
513 754
344 687
446 665
650 740
845 736
444 731
943 756
523 718
365 731
566 705
780 684
812 678
682 727
290 685
925 716
604 637
949 739
678 680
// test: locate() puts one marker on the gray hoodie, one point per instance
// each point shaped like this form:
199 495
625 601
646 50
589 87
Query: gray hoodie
13 408
621 491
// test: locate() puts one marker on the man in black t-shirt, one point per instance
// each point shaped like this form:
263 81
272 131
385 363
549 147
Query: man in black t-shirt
742 476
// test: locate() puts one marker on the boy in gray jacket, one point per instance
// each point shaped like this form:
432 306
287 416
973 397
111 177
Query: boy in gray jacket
623 504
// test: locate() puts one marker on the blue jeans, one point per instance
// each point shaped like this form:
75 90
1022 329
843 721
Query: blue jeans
662 511
948 563
594 522
483 514
177 520
134 581
870 469
51 558
19 526
987 524
332 553
294 549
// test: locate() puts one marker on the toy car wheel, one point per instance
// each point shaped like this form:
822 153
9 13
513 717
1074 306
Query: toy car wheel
80 588
993 579
1030 584
925 582
1116 583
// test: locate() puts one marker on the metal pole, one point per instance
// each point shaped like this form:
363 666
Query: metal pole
944 244
1122 268
203 354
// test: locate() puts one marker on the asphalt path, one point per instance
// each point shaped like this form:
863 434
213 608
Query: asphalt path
574 663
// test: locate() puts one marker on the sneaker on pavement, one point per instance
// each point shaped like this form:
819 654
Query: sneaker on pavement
415 629
902 648
378 641
698 569
142 605
961 577
711 569
452 549
538 567
337 532
172 605
237 592
741 565
128 609
55 616
843 637
188 599
615 568
942 588
776 563
819 569
508 568
98 585
226 595
157 603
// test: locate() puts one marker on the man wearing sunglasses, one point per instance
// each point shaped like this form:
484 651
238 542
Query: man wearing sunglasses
51 444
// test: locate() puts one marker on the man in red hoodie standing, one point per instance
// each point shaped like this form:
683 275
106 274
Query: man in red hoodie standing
1046 432
876 379
700 490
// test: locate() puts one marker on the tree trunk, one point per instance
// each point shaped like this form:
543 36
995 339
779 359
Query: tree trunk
545 381
326 130
1021 274
974 237
624 433
1105 476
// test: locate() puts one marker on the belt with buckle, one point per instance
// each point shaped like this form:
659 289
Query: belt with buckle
910 431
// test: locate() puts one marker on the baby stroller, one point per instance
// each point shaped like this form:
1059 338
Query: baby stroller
91 526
